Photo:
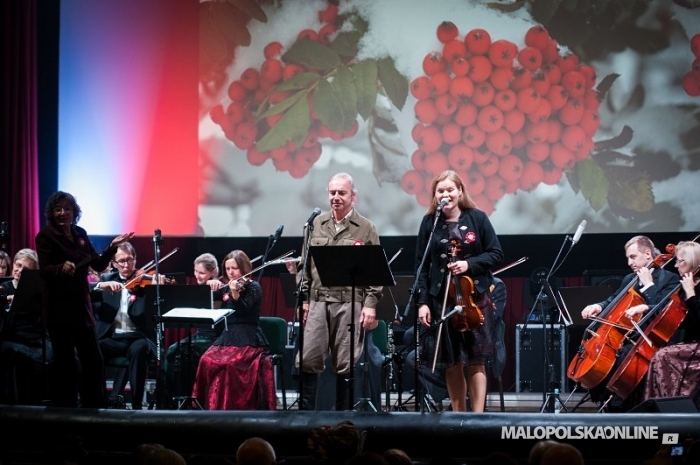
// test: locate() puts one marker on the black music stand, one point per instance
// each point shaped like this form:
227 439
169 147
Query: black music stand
193 317
352 265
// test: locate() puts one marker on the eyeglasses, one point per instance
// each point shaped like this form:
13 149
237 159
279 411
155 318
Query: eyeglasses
59 210
680 260
124 261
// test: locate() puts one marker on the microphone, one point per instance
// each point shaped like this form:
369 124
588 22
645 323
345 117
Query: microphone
278 234
579 232
314 214
442 204
454 311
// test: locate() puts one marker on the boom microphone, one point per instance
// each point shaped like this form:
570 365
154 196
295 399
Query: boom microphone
314 214
579 232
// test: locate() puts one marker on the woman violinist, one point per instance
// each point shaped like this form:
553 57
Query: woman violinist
235 373
675 369
462 224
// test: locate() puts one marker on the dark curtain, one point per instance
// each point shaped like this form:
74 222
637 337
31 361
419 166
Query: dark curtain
19 195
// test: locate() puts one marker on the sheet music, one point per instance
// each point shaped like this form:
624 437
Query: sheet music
196 316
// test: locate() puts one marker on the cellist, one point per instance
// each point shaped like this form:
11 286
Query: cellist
480 252
654 283
675 369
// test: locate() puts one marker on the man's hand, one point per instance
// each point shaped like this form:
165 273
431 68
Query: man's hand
368 318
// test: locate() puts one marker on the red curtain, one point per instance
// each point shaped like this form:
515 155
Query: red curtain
19 186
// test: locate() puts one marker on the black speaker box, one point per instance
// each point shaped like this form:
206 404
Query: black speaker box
680 404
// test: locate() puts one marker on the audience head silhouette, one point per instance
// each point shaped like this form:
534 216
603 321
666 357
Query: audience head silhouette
255 451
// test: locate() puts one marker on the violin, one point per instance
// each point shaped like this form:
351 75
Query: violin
144 276
145 279
461 293
240 283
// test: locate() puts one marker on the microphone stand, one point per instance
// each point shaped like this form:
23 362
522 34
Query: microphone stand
299 316
550 396
271 241
157 240
411 298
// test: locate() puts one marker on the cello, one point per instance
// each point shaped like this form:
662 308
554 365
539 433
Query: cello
597 353
666 317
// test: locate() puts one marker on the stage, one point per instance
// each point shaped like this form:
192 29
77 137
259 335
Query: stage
34 434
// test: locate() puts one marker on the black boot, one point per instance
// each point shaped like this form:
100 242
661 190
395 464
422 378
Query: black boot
309 381
341 393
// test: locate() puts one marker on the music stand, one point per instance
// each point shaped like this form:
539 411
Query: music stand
162 299
354 266
193 317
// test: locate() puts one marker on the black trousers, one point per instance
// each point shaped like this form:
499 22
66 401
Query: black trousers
139 350
69 342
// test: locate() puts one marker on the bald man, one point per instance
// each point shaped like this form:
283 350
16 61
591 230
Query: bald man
255 451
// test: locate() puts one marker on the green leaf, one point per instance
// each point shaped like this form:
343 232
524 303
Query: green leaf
294 126
346 43
312 54
630 191
251 8
283 105
230 22
365 73
395 84
300 81
593 183
335 102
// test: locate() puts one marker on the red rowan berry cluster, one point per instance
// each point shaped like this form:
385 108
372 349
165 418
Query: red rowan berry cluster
691 81
255 89
504 118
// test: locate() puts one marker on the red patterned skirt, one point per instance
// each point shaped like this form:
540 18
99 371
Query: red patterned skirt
235 378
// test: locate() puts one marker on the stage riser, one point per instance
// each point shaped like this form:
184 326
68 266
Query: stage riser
422 435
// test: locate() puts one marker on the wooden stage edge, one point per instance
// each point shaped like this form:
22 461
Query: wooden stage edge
601 437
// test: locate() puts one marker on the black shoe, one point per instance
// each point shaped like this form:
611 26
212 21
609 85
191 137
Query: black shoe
116 403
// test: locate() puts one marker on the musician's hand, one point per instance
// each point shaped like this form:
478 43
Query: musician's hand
591 311
113 286
68 268
458 267
9 298
640 309
368 318
214 284
424 315
688 283
645 277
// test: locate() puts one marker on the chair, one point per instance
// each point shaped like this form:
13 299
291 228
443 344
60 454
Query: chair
121 375
275 330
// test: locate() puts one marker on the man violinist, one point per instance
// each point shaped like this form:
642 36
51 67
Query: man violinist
654 283
124 327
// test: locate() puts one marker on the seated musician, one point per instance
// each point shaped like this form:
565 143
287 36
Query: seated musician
235 373
23 341
654 283
206 272
124 328
675 369
5 264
